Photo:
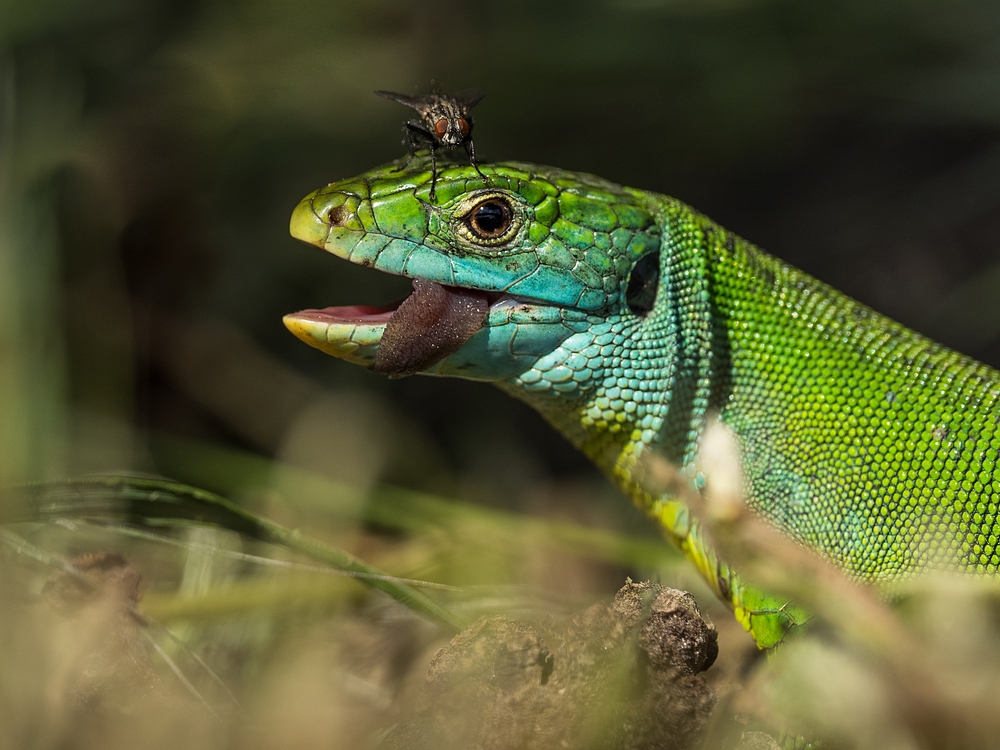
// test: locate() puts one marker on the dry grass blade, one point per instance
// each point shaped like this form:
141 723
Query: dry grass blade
151 501
271 562
233 472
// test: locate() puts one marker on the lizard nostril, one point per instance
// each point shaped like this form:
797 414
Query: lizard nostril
338 215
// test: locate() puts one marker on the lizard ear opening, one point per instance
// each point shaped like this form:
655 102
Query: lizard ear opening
642 283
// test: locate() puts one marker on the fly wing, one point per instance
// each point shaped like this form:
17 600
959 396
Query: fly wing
469 98
418 103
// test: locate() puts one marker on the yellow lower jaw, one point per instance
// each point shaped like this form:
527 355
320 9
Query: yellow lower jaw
355 343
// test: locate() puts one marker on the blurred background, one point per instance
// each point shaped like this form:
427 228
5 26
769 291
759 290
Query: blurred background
151 153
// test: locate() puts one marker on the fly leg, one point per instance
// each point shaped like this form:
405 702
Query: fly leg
470 149
415 132
434 174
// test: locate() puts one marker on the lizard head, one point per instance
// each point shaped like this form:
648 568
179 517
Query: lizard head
506 274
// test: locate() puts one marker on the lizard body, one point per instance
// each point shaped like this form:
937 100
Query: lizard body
628 320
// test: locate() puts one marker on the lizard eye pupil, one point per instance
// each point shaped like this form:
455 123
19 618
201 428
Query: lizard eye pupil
441 127
491 219
642 282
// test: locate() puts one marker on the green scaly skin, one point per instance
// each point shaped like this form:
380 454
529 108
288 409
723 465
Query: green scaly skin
858 437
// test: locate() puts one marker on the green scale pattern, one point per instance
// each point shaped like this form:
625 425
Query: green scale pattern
858 437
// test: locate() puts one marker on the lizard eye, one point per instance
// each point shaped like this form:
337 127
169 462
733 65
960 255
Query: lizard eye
491 220
642 282
441 127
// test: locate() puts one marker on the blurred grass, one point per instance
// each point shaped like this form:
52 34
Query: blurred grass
395 508
227 579
158 502
150 153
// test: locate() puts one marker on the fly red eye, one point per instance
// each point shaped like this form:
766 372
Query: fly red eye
441 127
463 125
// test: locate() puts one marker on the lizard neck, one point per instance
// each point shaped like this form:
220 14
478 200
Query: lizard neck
630 384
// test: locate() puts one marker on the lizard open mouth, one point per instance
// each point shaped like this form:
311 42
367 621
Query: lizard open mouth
421 330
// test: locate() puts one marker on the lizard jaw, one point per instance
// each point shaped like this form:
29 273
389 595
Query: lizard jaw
350 333
354 332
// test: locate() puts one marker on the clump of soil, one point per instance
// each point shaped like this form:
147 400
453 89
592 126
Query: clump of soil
622 676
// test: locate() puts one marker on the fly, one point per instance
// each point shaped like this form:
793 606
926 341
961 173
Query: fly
444 121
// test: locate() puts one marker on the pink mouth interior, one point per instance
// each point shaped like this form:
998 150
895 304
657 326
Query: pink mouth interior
433 322
350 314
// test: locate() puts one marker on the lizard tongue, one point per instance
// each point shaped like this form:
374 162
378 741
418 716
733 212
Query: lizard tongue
433 322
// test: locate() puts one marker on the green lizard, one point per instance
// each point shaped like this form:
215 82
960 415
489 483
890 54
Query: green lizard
628 320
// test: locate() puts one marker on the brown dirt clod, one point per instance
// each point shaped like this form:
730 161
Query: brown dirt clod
622 676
